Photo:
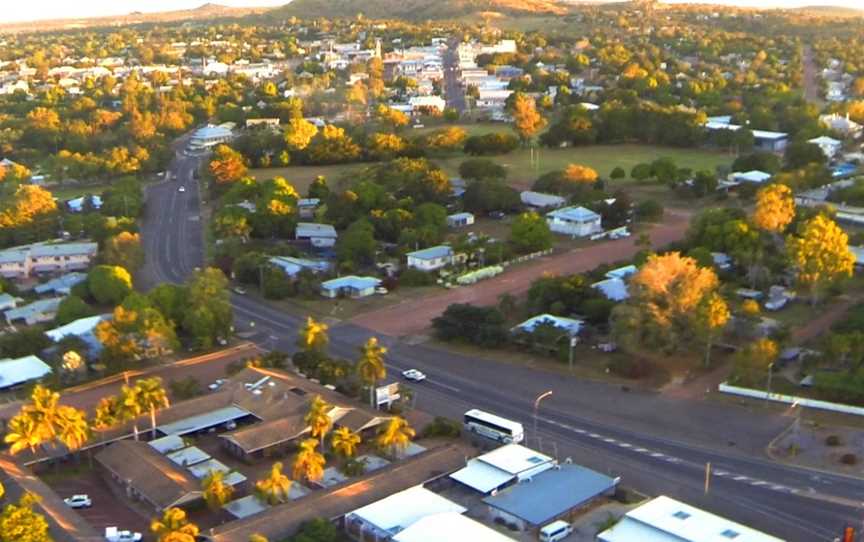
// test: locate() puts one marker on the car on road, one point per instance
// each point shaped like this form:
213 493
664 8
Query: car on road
113 534
79 501
239 290
414 375
218 383
181 189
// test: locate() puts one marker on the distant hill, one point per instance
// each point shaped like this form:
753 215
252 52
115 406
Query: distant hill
829 11
418 9
203 12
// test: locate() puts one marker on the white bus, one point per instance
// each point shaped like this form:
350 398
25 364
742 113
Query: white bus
493 427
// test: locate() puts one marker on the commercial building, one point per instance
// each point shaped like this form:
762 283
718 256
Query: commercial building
449 526
391 515
574 221
666 520
502 467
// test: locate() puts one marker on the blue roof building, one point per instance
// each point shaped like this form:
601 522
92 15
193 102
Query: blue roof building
554 493
350 286
430 259
574 221
60 285
613 289
292 266
569 325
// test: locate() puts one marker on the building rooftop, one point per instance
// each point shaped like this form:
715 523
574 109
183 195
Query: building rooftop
432 253
574 214
622 272
62 249
313 229
400 510
613 289
204 420
666 520
62 284
551 493
211 132
351 281
566 324
449 526
19 370
41 306
753 176
539 199
76 328
292 265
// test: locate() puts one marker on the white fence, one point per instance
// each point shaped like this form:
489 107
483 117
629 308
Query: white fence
790 399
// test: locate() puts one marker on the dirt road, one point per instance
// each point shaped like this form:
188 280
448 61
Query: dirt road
414 316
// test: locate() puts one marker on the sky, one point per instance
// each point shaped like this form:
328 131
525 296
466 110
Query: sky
30 10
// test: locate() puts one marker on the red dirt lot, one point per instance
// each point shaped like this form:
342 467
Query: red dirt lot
414 316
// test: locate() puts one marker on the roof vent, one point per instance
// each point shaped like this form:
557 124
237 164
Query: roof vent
680 514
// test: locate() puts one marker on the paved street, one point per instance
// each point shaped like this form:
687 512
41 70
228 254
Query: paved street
453 91
655 443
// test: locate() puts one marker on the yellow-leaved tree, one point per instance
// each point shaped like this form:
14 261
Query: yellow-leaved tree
820 254
577 173
527 121
713 317
775 208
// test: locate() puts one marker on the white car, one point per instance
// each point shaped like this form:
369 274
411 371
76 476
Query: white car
181 189
414 375
79 501
216 385
112 534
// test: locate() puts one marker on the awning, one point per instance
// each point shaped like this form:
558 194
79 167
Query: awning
202 422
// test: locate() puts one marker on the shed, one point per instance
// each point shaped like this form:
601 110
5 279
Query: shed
459 220
318 235
539 200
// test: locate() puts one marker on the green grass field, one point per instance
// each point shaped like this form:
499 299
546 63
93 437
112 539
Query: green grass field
70 192
521 170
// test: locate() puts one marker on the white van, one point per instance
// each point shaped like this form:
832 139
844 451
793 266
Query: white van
557 530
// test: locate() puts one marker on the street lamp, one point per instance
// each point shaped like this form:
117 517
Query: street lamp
770 374
539 398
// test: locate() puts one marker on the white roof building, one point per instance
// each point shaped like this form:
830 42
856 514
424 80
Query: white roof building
449 526
20 370
399 511
828 145
666 520
210 136
501 467
753 176
541 200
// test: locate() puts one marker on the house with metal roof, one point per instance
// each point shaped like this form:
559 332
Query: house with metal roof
552 494
306 207
574 221
8 301
459 220
664 519
21 262
79 204
502 467
752 177
84 329
622 273
828 145
209 136
539 200
317 235
393 514
293 266
613 289
568 325
449 526
14 372
60 285
43 310
430 259
349 286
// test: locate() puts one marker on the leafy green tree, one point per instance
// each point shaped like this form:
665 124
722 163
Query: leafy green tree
318 530
72 308
482 168
530 233
109 284
800 154
124 250
618 173
487 195
483 326
209 313
357 244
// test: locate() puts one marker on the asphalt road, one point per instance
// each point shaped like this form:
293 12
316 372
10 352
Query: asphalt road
655 443
453 91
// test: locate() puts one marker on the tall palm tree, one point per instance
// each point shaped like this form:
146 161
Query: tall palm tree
43 420
313 337
107 412
73 429
151 396
396 435
308 463
173 526
274 489
129 406
318 418
24 433
370 366
345 442
216 491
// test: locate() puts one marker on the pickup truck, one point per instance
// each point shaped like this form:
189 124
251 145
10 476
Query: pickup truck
112 534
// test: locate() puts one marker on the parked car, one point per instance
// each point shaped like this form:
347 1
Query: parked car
216 384
239 290
497 215
78 501
113 534
380 290
414 375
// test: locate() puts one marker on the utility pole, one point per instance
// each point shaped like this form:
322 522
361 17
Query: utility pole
707 477
573 342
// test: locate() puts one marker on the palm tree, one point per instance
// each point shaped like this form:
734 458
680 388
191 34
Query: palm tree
43 420
151 396
174 527
370 366
318 418
129 406
275 488
73 429
23 433
216 491
396 435
309 463
313 337
345 442
107 413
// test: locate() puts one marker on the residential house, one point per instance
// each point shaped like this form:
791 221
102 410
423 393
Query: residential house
766 140
84 329
43 310
502 467
350 286
459 220
430 259
664 519
835 91
539 200
382 519
293 266
566 325
841 124
752 177
614 286
722 261
829 146
61 285
574 221
492 98
21 262
419 103
14 372
79 204
317 235
271 123
556 493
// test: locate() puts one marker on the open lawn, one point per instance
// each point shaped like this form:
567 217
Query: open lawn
521 171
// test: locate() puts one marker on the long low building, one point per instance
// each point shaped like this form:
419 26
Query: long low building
43 258
14 372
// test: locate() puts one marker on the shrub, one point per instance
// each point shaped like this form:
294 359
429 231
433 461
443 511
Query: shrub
415 277
649 210
186 388
832 440
442 427
849 459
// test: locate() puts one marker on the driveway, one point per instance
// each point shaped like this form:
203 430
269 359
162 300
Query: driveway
414 316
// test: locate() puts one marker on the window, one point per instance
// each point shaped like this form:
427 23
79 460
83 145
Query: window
729 533
681 514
